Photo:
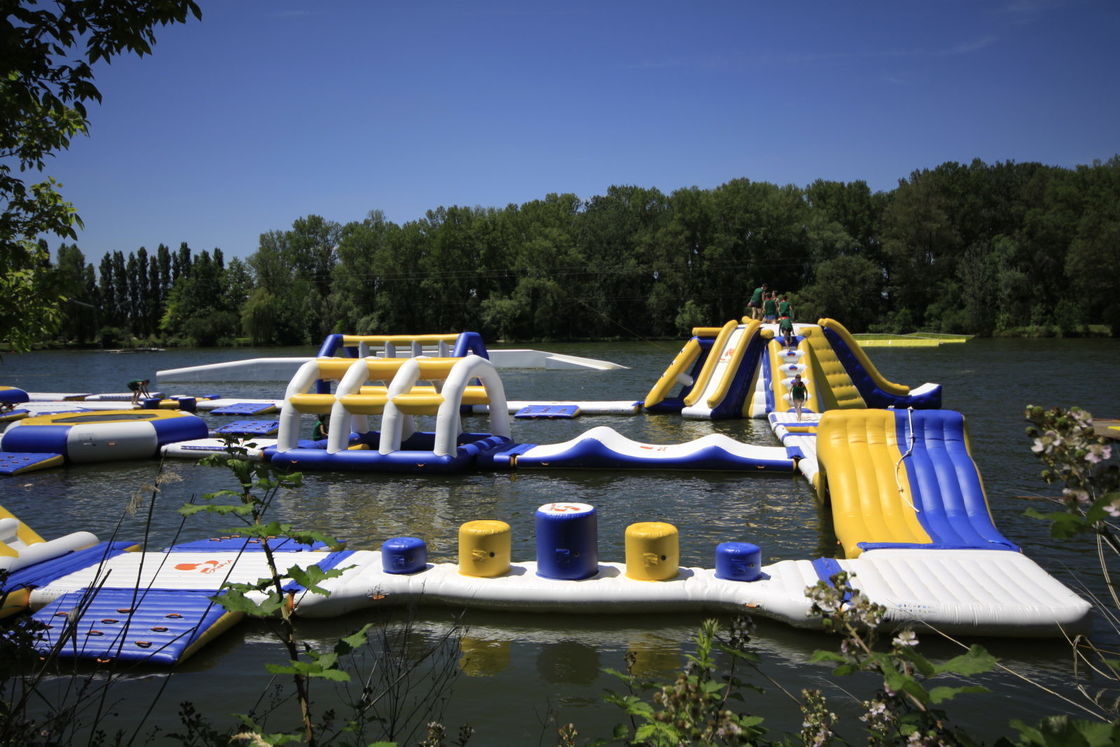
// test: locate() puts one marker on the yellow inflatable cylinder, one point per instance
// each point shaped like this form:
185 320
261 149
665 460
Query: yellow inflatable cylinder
484 548
653 551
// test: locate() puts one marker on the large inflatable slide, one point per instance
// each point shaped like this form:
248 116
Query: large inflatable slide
744 370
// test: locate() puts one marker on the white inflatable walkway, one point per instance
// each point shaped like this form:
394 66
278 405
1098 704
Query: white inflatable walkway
974 592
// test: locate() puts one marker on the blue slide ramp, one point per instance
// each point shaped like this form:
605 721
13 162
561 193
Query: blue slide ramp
945 483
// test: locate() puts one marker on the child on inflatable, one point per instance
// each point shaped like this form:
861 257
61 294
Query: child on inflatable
139 388
785 327
798 393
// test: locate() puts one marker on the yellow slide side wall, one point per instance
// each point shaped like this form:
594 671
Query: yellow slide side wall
887 386
750 329
858 451
710 363
835 388
681 364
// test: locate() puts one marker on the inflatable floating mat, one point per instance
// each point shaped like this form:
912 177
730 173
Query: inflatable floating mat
245 408
156 625
16 463
548 411
105 435
250 428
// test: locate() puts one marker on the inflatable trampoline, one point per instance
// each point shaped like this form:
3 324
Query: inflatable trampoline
102 436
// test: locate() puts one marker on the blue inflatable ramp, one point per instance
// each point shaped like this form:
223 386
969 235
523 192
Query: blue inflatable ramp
155 626
250 428
547 411
245 408
17 462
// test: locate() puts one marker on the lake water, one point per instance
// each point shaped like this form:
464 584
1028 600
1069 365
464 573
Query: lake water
520 675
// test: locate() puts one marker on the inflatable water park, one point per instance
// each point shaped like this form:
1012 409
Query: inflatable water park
907 501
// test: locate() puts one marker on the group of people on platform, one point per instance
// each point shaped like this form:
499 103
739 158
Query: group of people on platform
769 307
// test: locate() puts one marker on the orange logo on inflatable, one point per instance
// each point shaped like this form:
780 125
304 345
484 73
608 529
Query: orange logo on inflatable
562 507
206 567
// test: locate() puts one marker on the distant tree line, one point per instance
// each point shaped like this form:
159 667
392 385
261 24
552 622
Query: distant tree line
979 248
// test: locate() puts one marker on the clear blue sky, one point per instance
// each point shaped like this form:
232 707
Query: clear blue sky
269 110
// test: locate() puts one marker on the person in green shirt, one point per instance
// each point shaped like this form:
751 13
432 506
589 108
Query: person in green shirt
785 308
320 431
798 393
785 327
755 304
770 308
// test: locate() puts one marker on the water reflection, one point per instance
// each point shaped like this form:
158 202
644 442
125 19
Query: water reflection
483 658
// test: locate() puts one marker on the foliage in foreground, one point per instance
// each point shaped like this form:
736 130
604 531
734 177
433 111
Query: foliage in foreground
389 675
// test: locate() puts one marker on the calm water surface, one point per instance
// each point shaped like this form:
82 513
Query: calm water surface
522 674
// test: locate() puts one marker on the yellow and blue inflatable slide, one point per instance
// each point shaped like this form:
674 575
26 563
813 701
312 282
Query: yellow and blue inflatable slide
904 478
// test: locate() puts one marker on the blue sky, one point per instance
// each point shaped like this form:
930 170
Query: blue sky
269 110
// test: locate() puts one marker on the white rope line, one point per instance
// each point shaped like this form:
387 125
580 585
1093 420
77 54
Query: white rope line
912 438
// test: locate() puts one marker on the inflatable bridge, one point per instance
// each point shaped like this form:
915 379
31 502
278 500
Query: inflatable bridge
110 601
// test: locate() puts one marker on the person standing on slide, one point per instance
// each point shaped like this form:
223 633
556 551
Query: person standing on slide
770 308
755 304
785 308
798 393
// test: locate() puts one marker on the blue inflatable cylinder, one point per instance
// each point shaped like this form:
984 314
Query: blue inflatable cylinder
404 555
567 541
738 561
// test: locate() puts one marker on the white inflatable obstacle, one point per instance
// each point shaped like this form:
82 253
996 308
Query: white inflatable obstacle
396 396
975 592
604 447
21 546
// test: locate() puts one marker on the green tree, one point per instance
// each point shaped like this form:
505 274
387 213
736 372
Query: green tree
846 288
617 233
198 306
277 309
542 278
73 280
855 209
450 264
361 282
762 235
1094 251
46 54
679 299
920 242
